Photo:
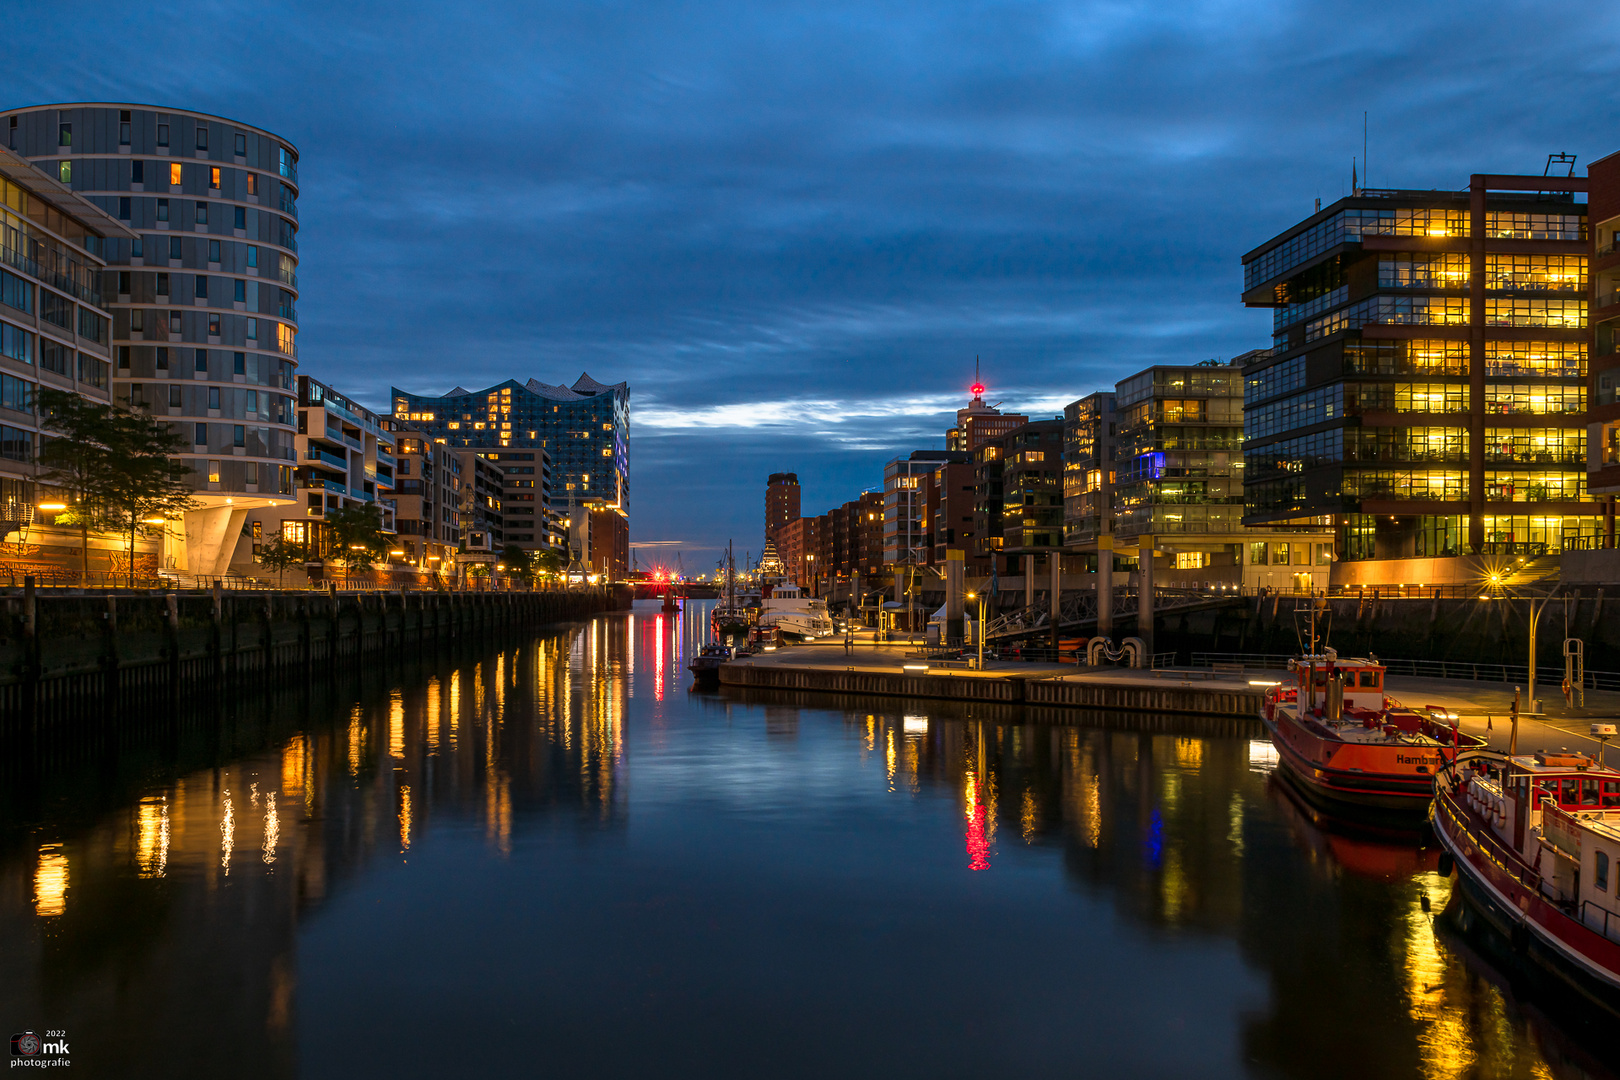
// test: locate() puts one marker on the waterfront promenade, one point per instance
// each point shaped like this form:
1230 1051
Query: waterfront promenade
1484 708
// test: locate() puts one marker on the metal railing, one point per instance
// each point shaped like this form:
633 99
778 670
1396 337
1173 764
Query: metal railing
1470 670
1609 923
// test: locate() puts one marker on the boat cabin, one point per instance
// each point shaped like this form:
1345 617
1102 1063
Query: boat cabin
1363 680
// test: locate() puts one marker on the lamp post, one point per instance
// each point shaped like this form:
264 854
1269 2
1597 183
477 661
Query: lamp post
1535 621
978 633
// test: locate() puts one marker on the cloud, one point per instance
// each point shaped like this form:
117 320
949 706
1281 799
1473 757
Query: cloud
792 226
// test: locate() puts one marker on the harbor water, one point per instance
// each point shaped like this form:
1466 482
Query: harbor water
552 857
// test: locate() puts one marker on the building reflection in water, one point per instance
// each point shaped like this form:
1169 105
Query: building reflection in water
210 873
1185 833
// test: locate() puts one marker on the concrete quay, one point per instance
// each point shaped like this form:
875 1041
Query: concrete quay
878 669
1484 708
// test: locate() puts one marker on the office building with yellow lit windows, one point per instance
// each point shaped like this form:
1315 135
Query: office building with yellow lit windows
581 431
1427 378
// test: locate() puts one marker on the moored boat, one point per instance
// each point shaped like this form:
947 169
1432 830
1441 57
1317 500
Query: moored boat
705 666
1536 842
1342 740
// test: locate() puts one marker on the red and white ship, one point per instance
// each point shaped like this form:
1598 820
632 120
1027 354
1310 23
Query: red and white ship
1340 739
1536 843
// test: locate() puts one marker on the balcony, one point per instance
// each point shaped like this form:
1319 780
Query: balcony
326 457
325 485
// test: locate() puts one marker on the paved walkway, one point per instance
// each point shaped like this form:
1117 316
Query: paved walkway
1484 708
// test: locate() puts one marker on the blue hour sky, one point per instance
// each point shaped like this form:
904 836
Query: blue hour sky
791 226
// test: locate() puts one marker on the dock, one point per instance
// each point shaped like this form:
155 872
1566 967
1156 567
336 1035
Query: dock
886 671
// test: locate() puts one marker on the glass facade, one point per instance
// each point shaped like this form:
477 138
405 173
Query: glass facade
1357 414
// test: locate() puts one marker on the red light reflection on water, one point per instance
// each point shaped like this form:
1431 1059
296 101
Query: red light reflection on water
658 657
978 840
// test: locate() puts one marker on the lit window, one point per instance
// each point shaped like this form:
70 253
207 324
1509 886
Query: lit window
285 337
213 472
67 172
174 174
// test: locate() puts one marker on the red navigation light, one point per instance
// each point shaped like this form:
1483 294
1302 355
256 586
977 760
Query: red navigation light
977 389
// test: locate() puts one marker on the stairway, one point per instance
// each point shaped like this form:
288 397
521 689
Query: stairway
1541 570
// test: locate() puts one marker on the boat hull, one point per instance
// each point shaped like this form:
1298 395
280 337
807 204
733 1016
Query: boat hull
1350 775
1497 885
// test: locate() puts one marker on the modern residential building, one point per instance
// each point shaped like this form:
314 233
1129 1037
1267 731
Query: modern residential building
1427 381
906 484
583 429
528 520
979 423
427 497
345 458
1603 416
1018 491
1158 463
781 502
479 517
1088 468
953 497
202 291
800 545
55 332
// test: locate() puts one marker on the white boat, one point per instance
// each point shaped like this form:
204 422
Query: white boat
794 614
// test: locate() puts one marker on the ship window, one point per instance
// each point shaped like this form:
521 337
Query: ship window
1611 793
1572 792
1601 878
1369 680
1589 791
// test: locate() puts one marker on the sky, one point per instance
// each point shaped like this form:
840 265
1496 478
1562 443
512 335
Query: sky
793 226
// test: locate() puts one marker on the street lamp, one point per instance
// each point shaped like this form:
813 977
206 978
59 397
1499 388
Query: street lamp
978 633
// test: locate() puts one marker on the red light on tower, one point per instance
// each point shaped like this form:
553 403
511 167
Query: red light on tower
977 389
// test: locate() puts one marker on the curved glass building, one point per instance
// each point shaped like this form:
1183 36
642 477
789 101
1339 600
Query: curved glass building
203 302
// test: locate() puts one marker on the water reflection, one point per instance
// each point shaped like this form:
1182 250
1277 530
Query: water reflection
1138 894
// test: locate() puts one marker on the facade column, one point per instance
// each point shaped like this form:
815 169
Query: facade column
1105 586
1144 599
1029 581
954 567
1476 363
1056 559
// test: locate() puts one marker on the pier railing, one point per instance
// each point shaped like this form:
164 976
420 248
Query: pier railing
1471 670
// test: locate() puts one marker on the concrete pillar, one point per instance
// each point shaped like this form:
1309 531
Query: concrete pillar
211 537
1056 561
954 566
1029 581
854 605
1144 599
900 596
1105 586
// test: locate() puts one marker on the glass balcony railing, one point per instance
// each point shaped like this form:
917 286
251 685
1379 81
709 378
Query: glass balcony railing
326 457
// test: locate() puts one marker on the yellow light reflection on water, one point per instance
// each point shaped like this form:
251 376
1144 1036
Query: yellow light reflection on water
455 707
1444 1031
1029 818
1190 754
152 837
431 718
51 881
227 832
404 818
396 725
294 756
272 826
356 736
888 755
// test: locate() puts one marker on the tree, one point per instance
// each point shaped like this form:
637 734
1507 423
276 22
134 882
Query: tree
75 459
516 561
545 562
356 535
116 463
278 554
